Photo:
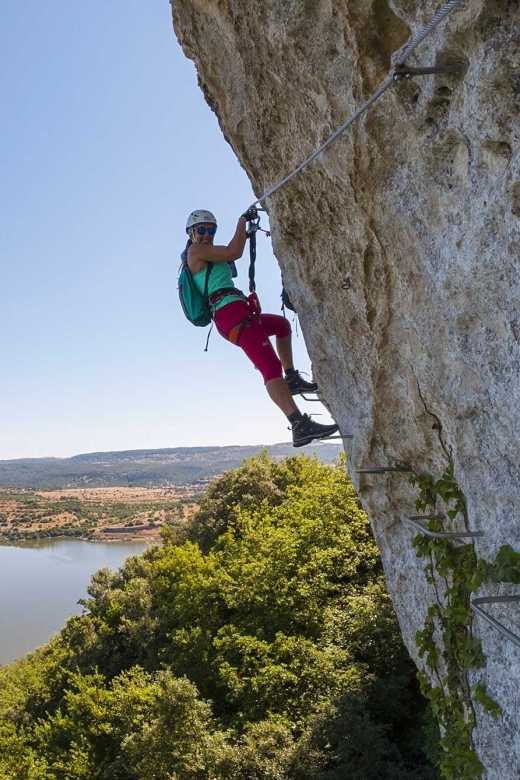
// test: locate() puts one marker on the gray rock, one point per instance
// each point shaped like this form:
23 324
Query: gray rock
419 205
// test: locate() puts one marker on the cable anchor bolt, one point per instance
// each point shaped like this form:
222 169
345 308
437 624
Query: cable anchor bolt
401 72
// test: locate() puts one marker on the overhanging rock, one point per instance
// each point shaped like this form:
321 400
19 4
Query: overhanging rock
419 205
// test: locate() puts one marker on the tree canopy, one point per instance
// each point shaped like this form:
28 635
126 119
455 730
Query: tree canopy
258 643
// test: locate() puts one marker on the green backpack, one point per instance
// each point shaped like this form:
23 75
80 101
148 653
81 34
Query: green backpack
194 305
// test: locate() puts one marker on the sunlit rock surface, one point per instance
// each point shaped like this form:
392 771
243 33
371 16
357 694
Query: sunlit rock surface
418 205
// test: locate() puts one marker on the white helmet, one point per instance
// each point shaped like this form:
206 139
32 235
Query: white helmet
199 216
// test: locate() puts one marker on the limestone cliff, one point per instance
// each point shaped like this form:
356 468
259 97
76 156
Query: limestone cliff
418 204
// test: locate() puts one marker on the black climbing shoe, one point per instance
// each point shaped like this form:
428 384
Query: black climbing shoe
297 384
306 430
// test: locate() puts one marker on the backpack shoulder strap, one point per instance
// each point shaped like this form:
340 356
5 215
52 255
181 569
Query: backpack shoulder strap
206 281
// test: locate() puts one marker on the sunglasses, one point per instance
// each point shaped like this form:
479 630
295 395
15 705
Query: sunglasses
202 230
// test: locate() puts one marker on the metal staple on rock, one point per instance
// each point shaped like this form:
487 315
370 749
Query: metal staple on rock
475 605
416 40
440 534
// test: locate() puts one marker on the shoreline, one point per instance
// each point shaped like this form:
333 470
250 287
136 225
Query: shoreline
114 537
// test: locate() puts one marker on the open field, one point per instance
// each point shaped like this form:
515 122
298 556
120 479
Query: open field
93 513
116 495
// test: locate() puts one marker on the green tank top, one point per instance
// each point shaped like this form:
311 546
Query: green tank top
220 277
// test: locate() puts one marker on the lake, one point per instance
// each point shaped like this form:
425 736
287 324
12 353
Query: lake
41 582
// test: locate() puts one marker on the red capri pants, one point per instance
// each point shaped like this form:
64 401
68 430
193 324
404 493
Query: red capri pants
254 338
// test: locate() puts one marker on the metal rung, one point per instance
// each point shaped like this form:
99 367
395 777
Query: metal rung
405 72
437 534
340 436
382 469
312 400
475 606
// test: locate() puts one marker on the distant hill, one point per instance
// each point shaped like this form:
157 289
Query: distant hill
141 468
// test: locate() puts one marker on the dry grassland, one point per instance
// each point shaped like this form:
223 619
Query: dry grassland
109 512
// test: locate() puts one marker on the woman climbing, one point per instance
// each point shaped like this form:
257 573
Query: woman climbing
239 323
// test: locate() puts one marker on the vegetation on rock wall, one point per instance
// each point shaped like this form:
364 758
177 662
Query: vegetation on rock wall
447 643
259 645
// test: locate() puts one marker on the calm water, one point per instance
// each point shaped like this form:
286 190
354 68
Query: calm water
40 584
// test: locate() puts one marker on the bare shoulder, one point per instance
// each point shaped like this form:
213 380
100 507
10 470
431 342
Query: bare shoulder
195 261
204 253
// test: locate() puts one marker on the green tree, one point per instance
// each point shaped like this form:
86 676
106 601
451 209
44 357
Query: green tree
262 647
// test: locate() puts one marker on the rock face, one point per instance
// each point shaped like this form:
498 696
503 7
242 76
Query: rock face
418 204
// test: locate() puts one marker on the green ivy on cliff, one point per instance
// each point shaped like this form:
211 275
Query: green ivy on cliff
446 642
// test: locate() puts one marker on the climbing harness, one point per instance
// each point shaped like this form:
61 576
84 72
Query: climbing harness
236 331
398 72
218 295
253 226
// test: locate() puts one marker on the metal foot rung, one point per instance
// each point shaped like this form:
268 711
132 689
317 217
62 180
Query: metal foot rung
321 400
382 469
475 606
438 534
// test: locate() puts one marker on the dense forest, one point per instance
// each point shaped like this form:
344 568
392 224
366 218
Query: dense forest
257 642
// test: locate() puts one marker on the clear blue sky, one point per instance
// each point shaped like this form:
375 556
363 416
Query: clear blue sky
106 146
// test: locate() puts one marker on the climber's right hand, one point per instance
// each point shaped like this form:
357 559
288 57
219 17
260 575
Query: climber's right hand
250 214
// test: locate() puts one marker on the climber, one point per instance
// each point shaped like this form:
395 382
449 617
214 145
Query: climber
238 322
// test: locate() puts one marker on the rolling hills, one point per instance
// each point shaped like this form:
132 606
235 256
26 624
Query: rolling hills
141 468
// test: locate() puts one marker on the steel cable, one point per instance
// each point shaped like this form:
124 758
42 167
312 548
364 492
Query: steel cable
421 35
388 83
416 40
